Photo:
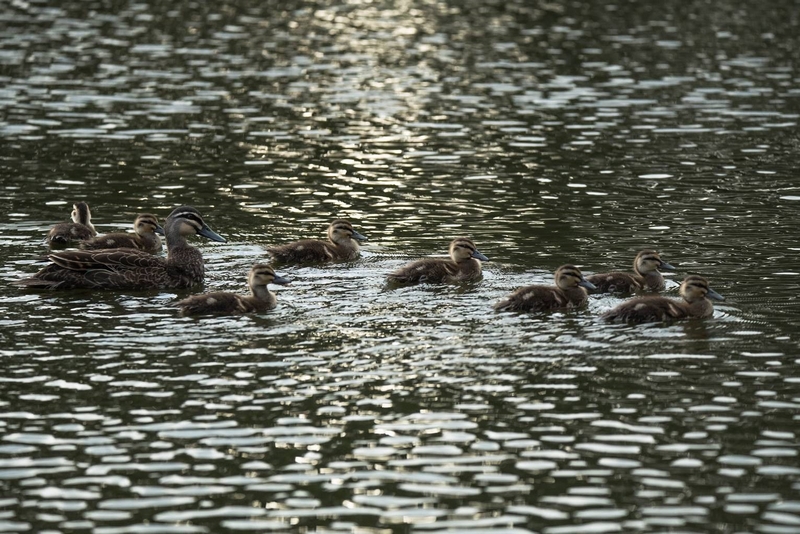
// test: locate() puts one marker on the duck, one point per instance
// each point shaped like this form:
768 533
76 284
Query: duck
464 264
646 275
220 302
126 268
342 245
80 229
697 297
569 292
145 238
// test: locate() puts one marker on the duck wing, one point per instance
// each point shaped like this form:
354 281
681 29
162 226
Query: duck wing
647 310
64 233
216 303
305 250
534 298
427 270
615 282
110 260
111 241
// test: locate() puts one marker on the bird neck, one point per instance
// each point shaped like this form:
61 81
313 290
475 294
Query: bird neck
699 308
653 279
575 294
345 242
175 240
262 292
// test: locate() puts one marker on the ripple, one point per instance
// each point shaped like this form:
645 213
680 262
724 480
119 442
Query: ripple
225 511
436 490
355 407
141 503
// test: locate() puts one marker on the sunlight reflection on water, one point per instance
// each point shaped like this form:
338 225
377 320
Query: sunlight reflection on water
547 133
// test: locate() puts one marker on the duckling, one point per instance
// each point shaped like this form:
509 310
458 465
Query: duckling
146 227
646 275
220 302
342 244
569 292
464 264
696 303
80 229
125 268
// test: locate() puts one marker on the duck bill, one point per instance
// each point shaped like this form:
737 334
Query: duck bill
666 267
159 230
587 284
207 232
713 295
478 256
280 280
359 237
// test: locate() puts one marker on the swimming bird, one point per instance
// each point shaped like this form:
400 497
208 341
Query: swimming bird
220 302
80 229
464 264
645 275
342 245
145 238
125 268
696 302
569 292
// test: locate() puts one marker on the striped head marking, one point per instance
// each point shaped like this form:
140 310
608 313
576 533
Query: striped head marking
190 222
695 287
570 277
342 231
146 223
262 274
186 213
462 248
648 261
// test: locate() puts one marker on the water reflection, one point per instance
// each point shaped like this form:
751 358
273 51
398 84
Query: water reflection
575 132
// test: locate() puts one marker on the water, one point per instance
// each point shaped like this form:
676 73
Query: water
564 132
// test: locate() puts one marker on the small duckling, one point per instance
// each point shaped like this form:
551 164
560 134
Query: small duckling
342 245
464 264
80 229
146 227
570 292
646 275
696 303
220 302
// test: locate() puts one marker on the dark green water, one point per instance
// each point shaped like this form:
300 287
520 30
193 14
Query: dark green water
550 133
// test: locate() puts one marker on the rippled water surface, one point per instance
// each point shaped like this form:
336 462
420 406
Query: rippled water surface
548 132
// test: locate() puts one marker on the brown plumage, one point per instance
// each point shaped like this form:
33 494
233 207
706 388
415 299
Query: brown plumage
342 245
695 303
464 264
645 275
80 229
220 302
126 268
568 292
145 238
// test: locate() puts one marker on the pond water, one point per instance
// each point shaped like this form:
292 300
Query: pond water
550 133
